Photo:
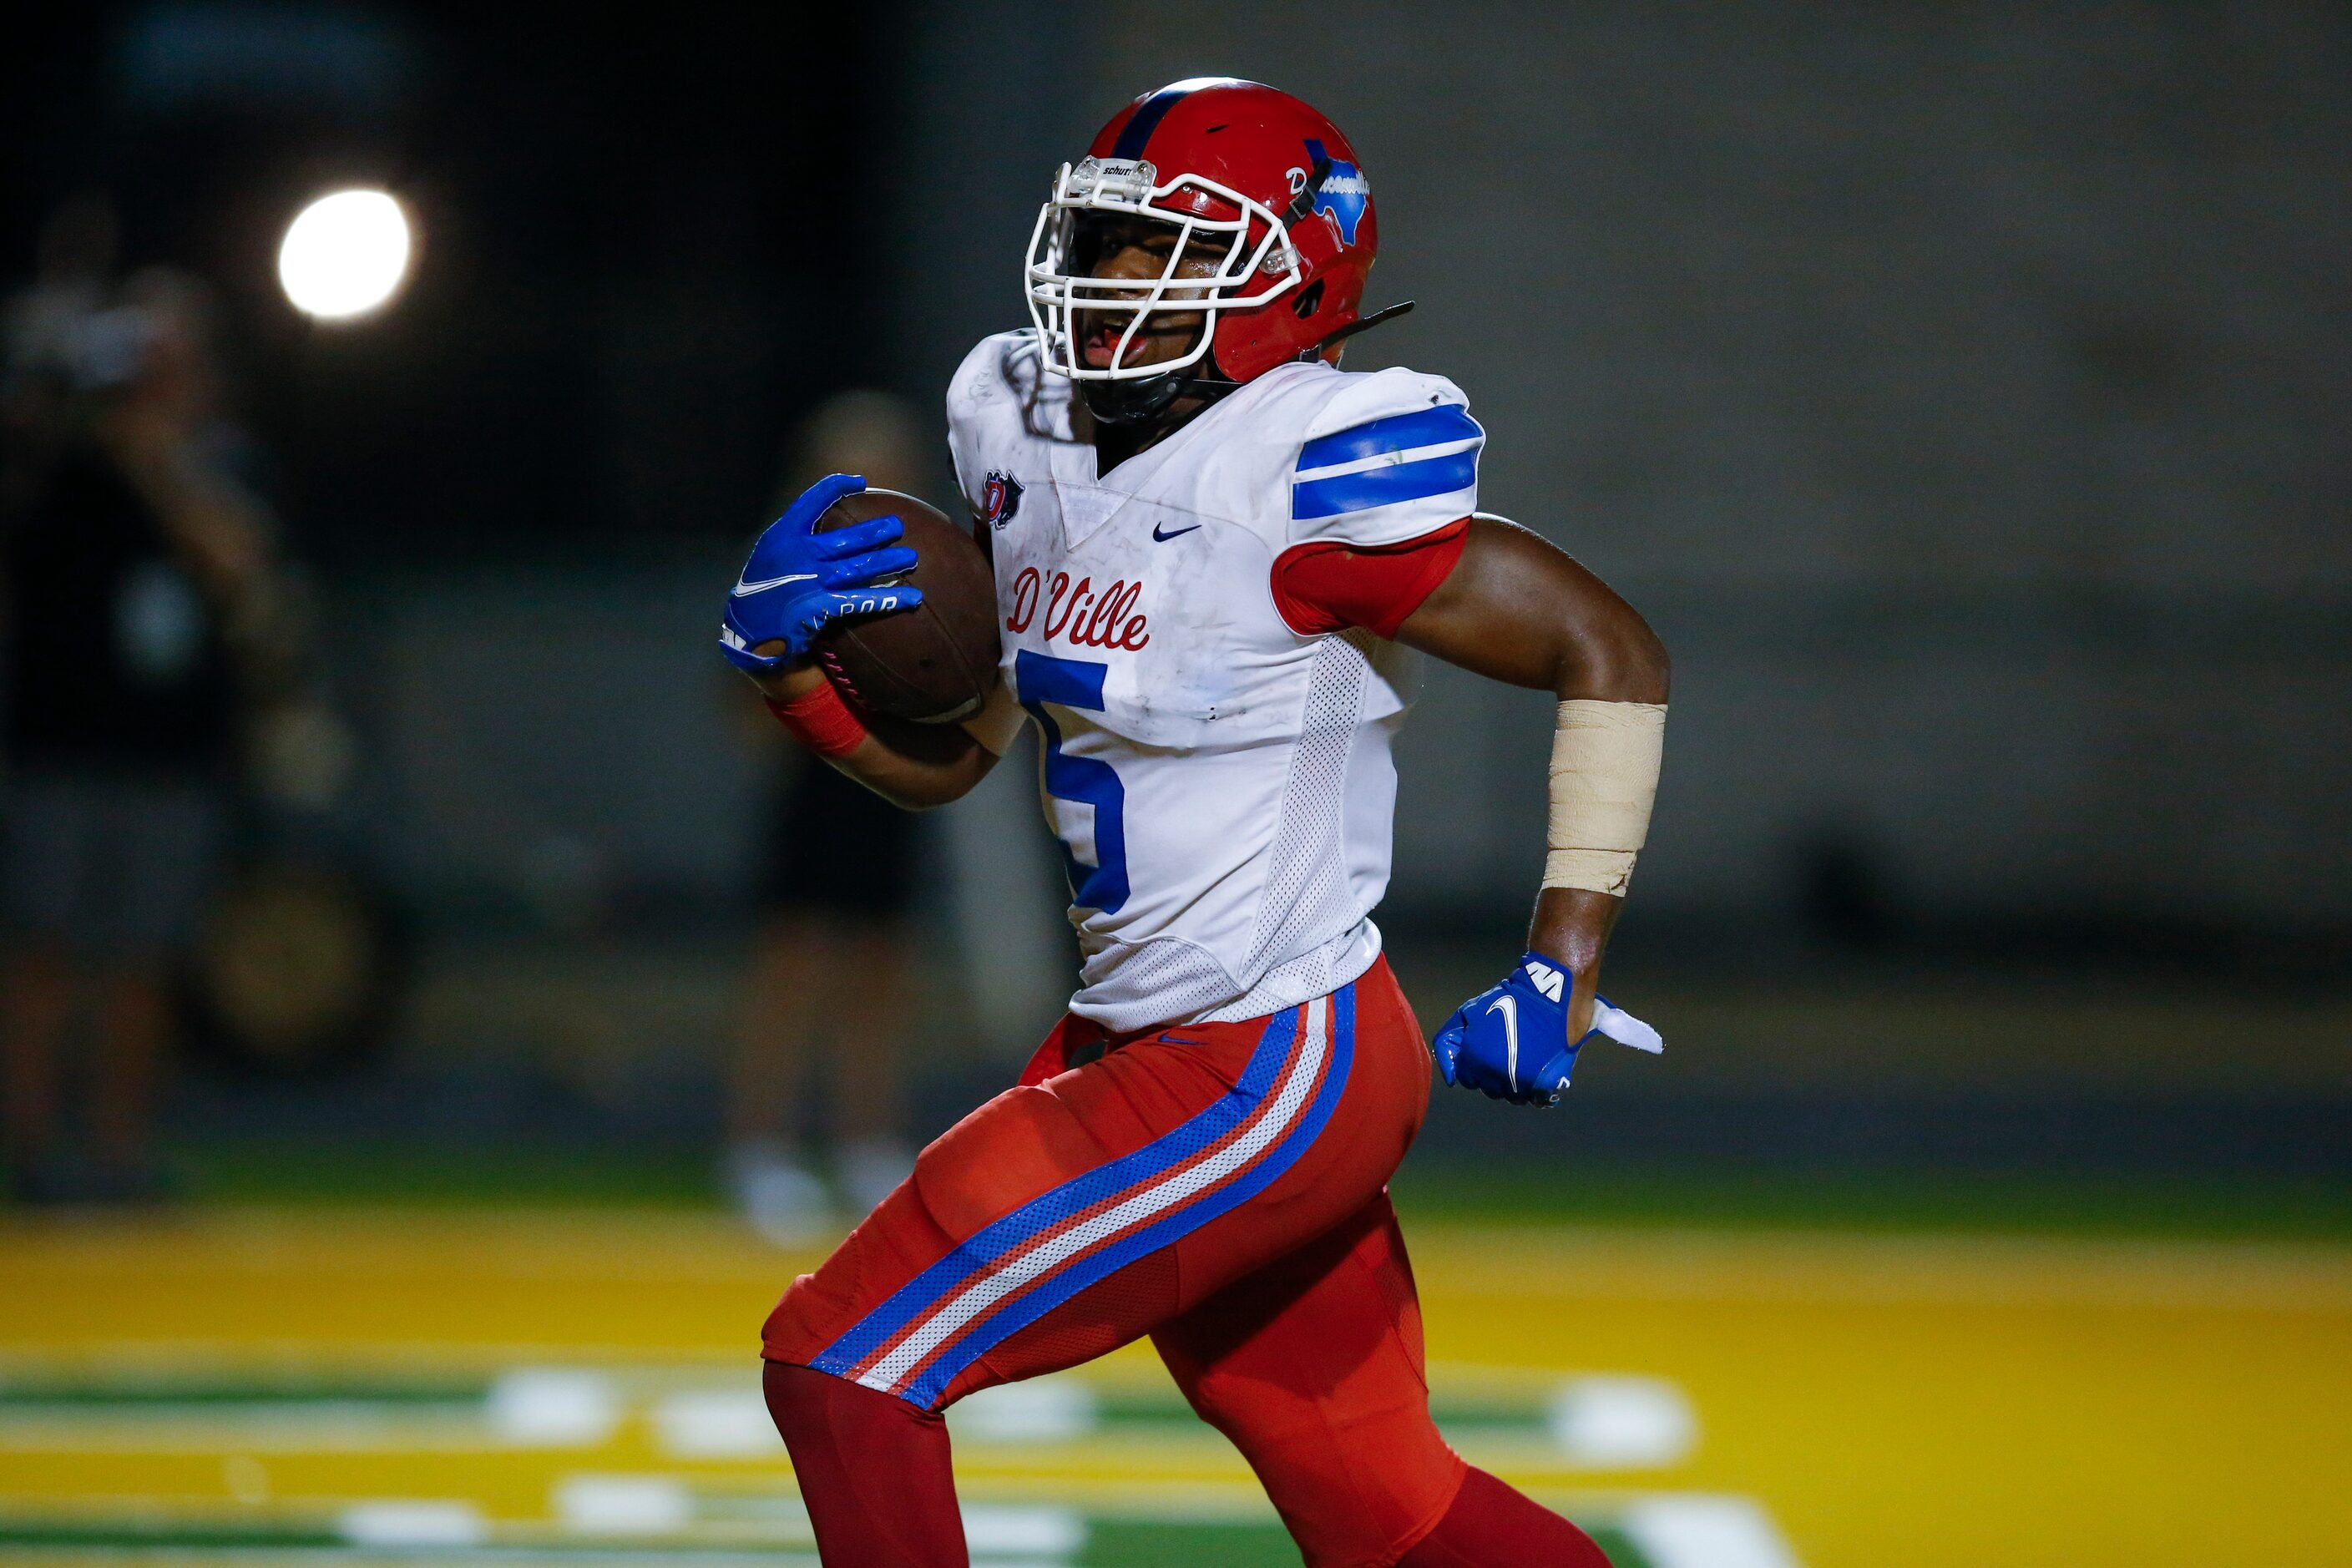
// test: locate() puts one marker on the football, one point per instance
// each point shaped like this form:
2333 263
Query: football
933 664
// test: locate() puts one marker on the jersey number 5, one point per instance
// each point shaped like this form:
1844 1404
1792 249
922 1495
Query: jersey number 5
1077 683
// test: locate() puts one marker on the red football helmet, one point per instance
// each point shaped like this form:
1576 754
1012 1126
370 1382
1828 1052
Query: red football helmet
1271 189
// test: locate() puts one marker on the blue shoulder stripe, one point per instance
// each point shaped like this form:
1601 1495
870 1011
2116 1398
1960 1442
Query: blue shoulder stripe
1384 486
1397 433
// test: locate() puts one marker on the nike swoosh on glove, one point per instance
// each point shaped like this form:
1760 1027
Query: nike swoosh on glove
1511 1042
799 581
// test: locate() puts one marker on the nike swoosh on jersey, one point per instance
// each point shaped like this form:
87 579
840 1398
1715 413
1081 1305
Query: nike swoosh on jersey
1510 1007
743 588
1164 538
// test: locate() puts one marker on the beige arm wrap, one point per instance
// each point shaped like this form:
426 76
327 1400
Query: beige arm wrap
1604 779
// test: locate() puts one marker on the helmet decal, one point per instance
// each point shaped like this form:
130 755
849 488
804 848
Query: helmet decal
1343 194
1153 110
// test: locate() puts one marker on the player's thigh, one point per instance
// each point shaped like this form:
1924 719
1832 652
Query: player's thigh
1062 1220
1313 1366
1384 1068
1011 1217
1321 1111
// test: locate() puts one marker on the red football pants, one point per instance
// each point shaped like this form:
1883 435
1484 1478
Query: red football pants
1220 1188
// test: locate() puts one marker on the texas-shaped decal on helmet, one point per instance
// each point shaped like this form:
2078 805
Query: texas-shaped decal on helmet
1342 195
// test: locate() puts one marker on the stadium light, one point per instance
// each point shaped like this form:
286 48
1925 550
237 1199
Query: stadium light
345 255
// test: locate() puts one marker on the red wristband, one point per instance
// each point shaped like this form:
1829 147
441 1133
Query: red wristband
821 721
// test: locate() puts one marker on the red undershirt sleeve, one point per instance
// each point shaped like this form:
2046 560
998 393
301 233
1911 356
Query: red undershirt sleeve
1328 586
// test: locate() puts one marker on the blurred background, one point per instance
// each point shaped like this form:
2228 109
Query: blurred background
416 973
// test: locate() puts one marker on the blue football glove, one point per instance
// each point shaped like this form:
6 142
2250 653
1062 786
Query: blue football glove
798 581
1511 1042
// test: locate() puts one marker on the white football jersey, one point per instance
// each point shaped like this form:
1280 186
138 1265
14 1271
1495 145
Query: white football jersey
1221 783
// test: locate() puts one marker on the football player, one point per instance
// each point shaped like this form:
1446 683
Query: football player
1216 555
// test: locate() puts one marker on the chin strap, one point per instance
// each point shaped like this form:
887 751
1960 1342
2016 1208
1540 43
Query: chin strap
1136 407
1361 324
1303 201
1139 402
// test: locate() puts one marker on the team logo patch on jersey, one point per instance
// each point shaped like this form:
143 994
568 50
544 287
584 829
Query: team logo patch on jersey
1343 194
1000 499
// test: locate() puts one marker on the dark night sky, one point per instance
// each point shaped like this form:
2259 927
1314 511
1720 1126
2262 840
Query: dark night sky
625 231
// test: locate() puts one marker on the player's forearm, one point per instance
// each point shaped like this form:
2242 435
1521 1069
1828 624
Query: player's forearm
1571 927
912 766
917 767
1517 608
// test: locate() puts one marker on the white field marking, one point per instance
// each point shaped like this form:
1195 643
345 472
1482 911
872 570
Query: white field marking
984 1293
1621 1421
998 1530
405 1524
339 1427
716 1423
564 1555
528 1407
252 1249
1700 1532
776 1515
1238 1501
131 1362
1580 1263
551 1407
1042 1410
247 1479
621 1505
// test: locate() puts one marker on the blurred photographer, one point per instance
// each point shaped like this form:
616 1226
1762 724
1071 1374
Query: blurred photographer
137 597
